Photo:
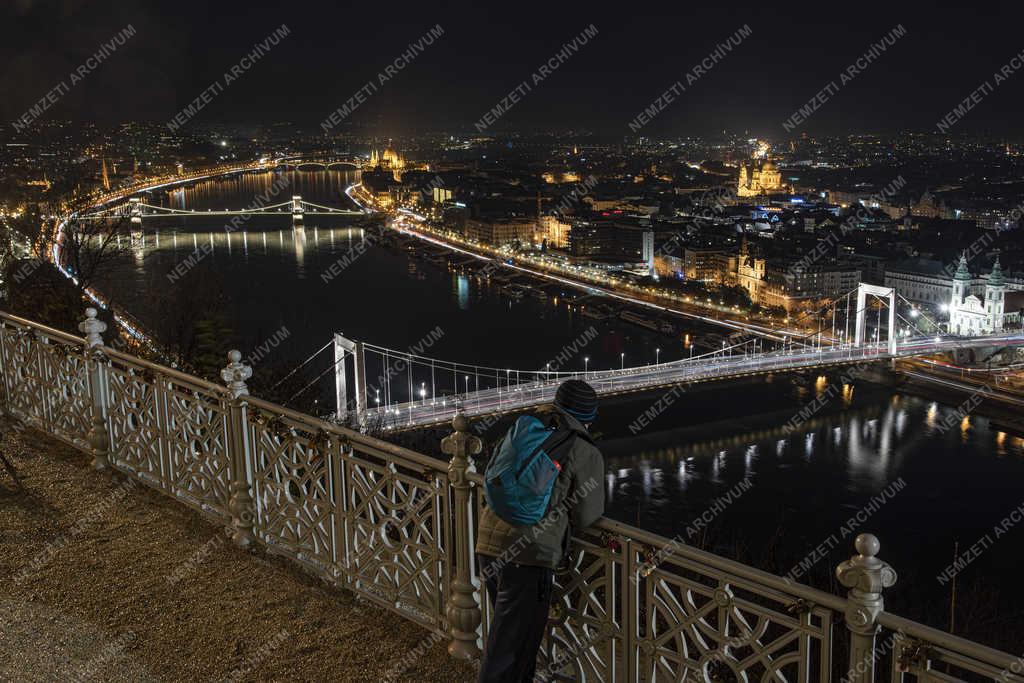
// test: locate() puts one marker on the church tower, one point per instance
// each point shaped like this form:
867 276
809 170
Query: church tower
961 282
743 186
995 290
961 290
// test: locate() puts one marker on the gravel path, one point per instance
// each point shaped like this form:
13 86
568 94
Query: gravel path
106 580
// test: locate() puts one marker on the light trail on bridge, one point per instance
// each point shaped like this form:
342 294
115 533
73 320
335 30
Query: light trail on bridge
998 393
519 396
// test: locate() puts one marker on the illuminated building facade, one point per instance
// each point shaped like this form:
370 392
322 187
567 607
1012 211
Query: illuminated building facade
750 271
381 186
612 241
501 231
555 232
971 314
757 178
388 160
710 265
552 177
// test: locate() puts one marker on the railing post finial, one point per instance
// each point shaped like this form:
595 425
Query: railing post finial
235 374
240 501
92 328
463 611
866 576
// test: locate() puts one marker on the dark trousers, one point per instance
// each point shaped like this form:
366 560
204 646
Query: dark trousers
520 599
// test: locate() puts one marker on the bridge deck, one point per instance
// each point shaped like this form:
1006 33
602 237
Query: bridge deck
498 400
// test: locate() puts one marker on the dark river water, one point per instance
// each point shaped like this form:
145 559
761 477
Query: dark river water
870 459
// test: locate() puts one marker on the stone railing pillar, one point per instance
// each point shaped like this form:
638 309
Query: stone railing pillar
866 576
463 606
243 514
96 362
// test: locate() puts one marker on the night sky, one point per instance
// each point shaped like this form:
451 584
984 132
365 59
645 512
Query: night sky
488 48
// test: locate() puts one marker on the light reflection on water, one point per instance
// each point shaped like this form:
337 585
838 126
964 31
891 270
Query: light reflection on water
956 483
871 448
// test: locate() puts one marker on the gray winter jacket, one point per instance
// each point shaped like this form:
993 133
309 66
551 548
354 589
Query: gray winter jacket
577 501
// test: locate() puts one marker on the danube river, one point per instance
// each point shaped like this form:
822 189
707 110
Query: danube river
870 459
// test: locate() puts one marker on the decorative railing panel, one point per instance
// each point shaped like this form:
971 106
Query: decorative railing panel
24 374
394 535
47 385
699 624
136 422
398 527
67 392
292 489
589 637
196 445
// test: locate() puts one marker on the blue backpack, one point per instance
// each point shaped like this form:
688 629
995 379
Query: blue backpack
521 474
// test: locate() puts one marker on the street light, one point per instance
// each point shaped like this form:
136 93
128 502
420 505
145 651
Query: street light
622 361
586 361
657 354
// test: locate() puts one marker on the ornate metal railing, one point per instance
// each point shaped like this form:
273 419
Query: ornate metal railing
397 527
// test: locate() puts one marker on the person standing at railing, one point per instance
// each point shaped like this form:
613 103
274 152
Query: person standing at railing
543 481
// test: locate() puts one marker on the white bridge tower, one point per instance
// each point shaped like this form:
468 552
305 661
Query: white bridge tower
343 349
863 290
135 206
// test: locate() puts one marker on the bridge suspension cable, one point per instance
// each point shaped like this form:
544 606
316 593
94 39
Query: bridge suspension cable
330 209
808 338
302 365
312 381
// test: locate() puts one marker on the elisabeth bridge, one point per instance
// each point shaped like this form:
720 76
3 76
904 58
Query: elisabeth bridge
396 390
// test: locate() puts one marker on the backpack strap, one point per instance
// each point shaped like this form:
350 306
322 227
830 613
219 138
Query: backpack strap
555 441
558 421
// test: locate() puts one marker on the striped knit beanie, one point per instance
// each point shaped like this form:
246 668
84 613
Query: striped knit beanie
577 398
